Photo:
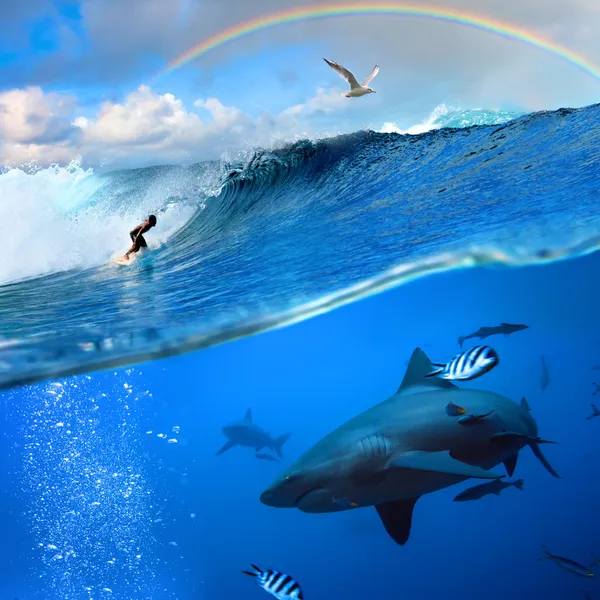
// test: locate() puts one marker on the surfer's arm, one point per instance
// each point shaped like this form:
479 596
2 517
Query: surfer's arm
142 229
137 232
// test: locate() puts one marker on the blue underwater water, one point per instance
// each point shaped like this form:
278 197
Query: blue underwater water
110 487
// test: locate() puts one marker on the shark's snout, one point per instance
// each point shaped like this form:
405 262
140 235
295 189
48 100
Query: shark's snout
288 491
272 498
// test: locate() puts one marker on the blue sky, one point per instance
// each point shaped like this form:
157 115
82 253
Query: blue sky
78 54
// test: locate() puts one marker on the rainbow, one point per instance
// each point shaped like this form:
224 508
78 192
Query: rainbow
325 11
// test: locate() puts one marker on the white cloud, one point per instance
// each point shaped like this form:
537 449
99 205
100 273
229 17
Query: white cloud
145 128
34 125
325 101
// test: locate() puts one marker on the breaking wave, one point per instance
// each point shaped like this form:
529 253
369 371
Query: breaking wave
281 235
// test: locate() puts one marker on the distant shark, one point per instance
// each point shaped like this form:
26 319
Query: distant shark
247 433
545 377
405 447
484 332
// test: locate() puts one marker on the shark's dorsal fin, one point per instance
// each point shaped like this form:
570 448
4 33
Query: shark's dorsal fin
248 416
418 367
525 404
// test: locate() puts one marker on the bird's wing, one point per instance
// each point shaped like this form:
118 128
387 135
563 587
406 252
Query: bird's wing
343 73
370 76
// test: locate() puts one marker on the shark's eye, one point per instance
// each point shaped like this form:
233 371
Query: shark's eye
291 478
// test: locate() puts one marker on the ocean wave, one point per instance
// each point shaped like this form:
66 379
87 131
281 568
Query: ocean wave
279 236
444 116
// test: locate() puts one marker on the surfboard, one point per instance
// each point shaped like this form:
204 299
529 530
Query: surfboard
121 260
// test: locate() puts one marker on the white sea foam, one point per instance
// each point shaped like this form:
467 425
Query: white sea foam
49 225
449 116
431 122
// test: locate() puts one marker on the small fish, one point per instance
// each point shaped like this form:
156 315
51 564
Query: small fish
597 388
265 456
595 412
472 418
345 503
467 365
567 564
454 410
491 487
279 585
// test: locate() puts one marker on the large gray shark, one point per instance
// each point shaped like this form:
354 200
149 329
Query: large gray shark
247 433
407 446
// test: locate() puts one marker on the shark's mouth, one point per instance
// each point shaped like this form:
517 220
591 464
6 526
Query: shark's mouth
305 494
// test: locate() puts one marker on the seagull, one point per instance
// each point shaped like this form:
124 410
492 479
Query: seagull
356 89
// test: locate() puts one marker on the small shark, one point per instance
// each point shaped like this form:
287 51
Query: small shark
484 332
247 433
491 487
597 388
407 446
545 378
595 412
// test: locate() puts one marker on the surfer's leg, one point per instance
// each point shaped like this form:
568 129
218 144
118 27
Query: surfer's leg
134 248
142 242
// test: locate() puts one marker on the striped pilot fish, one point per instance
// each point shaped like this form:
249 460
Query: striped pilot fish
467 365
279 585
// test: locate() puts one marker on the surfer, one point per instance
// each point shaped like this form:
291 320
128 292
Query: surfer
136 235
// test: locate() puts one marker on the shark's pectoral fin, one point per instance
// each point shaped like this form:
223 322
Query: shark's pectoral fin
397 518
228 445
510 464
439 462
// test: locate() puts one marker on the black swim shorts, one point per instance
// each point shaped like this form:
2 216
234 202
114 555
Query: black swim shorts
141 240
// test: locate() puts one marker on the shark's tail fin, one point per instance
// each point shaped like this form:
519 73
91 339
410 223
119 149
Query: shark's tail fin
546 553
461 341
519 484
254 572
279 442
538 454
